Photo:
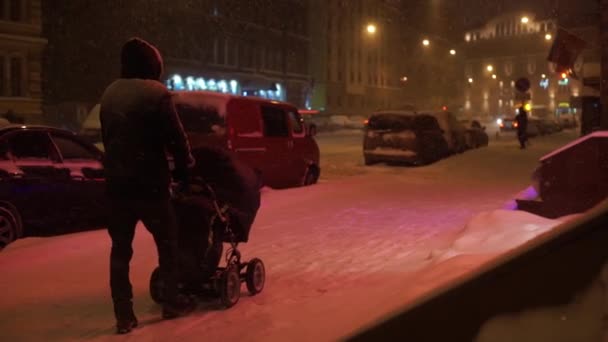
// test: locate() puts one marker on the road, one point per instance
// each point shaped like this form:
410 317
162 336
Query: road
338 254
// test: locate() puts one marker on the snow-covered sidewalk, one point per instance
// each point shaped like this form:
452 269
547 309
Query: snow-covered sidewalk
338 255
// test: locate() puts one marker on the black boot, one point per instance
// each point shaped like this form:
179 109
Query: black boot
181 306
125 317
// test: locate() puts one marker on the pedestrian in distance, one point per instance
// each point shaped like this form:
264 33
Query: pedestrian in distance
139 127
522 127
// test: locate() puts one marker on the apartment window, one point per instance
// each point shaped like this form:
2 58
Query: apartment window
15 10
12 10
2 76
16 76
220 50
230 49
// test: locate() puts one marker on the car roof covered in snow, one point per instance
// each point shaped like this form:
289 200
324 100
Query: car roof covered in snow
216 100
395 112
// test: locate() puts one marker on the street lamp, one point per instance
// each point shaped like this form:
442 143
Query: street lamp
548 36
525 20
452 52
404 79
470 80
426 42
371 29
543 76
490 68
494 76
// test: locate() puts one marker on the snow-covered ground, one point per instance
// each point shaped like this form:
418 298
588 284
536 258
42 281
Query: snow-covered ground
339 255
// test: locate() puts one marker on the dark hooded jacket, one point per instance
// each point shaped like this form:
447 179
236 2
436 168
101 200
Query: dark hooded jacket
522 122
140 126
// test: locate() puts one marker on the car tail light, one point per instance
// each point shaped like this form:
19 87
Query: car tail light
366 122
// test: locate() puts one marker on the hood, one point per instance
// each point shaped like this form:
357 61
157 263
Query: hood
141 59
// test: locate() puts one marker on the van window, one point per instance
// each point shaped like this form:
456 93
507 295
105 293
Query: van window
199 119
275 122
297 125
426 123
390 122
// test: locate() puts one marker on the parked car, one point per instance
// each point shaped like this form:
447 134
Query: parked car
307 118
476 135
453 131
49 178
507 124
403 136
510 125
267 135
548 126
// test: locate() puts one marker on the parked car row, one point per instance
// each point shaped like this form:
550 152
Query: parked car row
53 178
418 137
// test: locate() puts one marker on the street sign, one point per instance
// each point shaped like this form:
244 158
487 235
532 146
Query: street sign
522 84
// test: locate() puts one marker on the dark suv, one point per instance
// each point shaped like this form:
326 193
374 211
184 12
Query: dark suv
402 136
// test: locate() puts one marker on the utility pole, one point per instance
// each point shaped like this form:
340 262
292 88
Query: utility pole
604 63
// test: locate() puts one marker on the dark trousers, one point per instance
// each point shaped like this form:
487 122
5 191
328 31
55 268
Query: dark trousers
159 218
523 138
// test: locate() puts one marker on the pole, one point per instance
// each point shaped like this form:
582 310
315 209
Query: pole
604 62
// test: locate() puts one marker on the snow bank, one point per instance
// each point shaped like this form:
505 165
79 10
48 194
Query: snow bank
495 232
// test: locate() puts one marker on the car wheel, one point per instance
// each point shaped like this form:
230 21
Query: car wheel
312 176
10 226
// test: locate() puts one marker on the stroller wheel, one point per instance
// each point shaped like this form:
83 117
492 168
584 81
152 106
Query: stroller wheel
230 287
256 276
157 286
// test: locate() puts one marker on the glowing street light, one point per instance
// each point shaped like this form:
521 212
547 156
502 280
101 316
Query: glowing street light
543 76
490 68
548 36
404 79
470 80
426 42
494 76
525 20
452 52
371 29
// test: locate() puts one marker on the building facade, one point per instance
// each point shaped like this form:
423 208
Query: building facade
21 46
242 47
507 48
355 56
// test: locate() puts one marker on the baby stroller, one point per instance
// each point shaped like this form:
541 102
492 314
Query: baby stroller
219 208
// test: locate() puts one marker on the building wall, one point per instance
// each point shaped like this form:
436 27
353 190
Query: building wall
21 46
359 74
257 43
513 50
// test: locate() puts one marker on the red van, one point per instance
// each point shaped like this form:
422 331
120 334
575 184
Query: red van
268 135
